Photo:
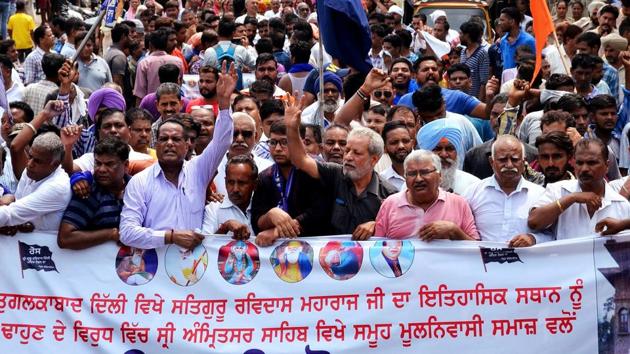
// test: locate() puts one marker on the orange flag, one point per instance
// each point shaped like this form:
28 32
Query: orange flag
543 27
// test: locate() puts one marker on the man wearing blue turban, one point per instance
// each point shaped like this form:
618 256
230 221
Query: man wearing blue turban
445 138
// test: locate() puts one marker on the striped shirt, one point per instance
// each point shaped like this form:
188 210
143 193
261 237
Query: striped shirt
101 210
33 67
479 64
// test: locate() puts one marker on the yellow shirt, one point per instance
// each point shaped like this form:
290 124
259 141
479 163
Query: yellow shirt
21 26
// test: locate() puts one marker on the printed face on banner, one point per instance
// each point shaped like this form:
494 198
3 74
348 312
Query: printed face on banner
292 260
341 260
185 267
238 262
392 258
136 266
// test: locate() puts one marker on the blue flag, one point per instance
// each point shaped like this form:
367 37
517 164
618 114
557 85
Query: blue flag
344 29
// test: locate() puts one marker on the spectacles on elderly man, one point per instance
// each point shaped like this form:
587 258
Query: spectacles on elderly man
422 173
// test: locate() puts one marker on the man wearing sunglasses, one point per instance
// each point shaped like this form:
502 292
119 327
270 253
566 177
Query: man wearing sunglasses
384 95
243 143
287 202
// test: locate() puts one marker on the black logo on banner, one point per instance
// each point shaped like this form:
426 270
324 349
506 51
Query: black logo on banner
498 255
36 257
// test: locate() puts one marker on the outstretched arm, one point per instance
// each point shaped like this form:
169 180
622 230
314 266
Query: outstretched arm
299 157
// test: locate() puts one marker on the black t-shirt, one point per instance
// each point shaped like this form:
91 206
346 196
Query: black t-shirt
350 210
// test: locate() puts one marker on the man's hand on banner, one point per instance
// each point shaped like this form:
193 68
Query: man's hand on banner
187 238
610 226
267 238
446 230
240 231
226 85
522 240
287 226
364 231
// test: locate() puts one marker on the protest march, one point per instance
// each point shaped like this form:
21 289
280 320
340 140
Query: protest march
318 176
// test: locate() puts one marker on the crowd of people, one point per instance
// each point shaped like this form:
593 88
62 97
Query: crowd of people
206 117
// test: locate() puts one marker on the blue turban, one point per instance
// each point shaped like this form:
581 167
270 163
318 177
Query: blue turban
431 133
105 98
329 77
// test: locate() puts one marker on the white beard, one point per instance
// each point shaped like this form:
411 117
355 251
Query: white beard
448 177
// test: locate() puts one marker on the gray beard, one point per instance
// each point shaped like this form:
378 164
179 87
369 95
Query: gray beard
330 107
448 177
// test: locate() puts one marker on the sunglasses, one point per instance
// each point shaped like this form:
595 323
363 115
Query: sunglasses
379 94
246 134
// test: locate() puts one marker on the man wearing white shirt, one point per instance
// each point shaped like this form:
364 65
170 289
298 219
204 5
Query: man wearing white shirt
276 9
501 202
242 144
251 10
573 208
44 189
233 215
14 89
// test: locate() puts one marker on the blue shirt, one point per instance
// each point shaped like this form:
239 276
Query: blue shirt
508 50
413 86
456 101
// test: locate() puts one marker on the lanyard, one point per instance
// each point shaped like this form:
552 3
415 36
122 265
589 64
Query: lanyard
284 192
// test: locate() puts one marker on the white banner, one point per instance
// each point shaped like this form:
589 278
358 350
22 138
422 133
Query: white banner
314 295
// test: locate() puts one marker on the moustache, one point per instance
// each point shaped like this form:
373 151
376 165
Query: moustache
419 184
239 145
509 169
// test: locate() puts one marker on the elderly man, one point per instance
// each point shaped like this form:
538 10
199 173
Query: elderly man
501 202
424 210
91 221
205 118
573 208
444 138
165 203
332 101
356 188
43 191
245 137
398 145
234 215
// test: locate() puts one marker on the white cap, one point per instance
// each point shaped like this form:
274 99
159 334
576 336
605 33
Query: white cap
437 14
395 10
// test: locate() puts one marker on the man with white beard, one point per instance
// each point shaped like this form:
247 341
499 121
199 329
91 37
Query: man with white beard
332 101
444 138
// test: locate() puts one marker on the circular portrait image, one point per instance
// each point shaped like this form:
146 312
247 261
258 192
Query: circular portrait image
136 266
341 260
238 262
392 258
292 260
185 267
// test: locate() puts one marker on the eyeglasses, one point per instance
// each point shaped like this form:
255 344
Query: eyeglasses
379 93
273 143
422 173
246 134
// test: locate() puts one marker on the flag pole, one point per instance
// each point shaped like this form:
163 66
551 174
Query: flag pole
96 24
564 63
320 120
20 256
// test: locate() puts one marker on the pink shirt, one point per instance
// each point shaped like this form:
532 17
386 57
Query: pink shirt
399 219
147 80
